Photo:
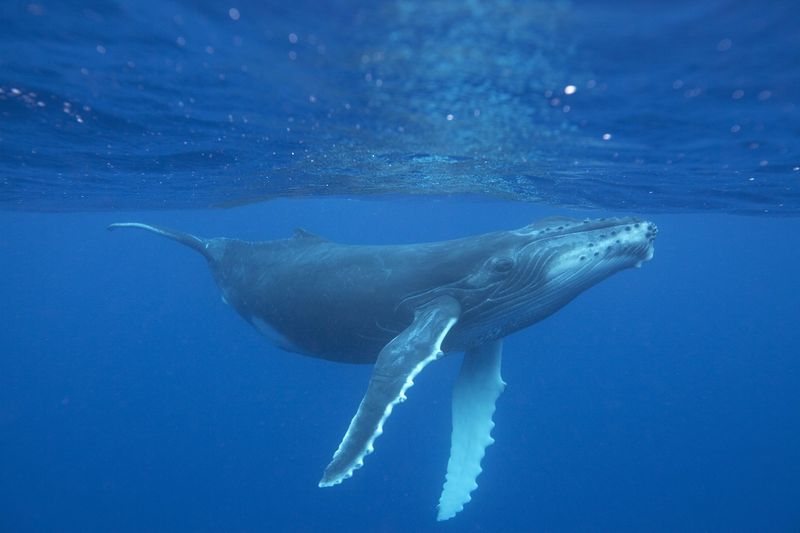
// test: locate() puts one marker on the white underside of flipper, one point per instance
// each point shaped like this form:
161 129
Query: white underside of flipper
398 364
478 386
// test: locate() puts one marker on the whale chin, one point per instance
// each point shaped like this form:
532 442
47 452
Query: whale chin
648 257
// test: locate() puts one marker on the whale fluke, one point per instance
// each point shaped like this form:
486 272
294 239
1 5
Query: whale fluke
195 243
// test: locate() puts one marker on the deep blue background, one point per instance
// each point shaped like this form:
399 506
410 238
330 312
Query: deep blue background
132 398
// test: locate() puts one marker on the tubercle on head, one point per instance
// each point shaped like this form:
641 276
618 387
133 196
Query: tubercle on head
622 245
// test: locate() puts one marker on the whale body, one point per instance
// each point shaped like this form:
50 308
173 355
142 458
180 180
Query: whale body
400 307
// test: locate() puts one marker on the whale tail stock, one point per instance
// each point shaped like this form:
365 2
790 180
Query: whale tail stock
195 243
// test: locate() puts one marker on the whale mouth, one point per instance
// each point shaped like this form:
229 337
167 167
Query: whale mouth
603 245
650 236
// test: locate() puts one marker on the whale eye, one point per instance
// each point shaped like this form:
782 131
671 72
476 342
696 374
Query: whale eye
502 264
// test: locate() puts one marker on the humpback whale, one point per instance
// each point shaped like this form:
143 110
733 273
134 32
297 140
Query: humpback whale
401 307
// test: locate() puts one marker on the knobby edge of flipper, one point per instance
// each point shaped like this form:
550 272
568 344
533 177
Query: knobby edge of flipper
195 243
397 365
476 390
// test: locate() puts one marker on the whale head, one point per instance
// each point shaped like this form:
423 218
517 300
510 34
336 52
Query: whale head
588 251
538 269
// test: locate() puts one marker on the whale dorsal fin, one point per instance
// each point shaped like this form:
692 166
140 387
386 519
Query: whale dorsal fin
302 233
397 365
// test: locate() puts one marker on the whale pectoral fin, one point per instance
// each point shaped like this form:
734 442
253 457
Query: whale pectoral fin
397 365
478 386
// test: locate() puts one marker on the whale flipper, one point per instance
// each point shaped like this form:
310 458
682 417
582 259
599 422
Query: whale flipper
478 386
397 365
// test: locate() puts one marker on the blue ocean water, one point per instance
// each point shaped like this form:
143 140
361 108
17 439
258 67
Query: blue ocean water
673 106
133 399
